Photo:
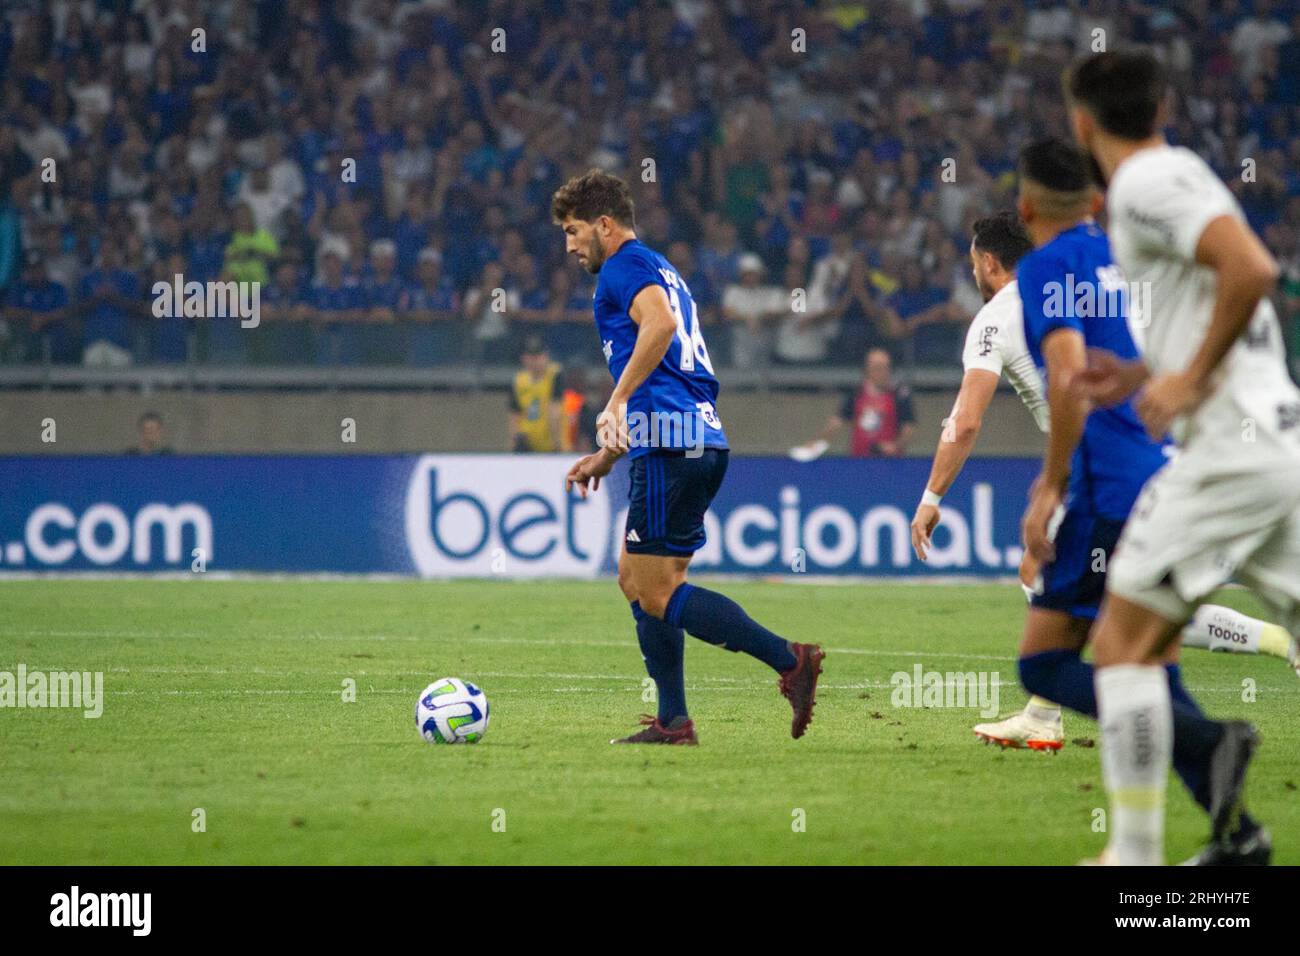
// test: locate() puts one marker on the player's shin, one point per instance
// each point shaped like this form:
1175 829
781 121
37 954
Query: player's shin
662 645
716 619
1137 745
1059 676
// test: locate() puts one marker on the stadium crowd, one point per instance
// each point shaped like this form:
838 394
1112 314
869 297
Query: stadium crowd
383 168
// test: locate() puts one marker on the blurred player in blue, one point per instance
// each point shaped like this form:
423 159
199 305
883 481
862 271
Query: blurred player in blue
1075 298
662 415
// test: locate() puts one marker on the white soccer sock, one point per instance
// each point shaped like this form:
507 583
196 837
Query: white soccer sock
1217 628
1040 708
1137 742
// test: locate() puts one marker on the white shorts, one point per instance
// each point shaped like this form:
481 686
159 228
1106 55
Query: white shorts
1194 529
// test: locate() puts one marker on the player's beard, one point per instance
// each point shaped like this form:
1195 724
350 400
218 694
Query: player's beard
595 256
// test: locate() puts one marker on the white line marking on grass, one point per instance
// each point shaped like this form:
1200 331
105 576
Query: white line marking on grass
872 652
422 674
622 687
511 641
742 683
623 683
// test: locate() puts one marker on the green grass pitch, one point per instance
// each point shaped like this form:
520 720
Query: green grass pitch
228 696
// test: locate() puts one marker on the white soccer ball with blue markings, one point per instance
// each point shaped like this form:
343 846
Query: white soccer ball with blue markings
452 711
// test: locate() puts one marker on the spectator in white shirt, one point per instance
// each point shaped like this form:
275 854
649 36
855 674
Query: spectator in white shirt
487 306
137 52
752 308
1262 29
267 202
286 175
804 336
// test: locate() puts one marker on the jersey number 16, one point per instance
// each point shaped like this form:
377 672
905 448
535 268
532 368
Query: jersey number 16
692 339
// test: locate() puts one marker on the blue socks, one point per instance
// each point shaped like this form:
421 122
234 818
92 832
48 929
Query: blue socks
661 646
711 617
716 619
1061 676
1195 737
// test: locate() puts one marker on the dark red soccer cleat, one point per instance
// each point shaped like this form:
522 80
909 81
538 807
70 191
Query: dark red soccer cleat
680 731
799 685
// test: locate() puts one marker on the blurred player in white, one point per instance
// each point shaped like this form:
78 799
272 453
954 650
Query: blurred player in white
995 346
1228 504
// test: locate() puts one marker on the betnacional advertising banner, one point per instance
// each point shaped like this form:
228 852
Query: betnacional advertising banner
485 516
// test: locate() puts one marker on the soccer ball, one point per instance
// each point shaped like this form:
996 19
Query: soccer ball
451 711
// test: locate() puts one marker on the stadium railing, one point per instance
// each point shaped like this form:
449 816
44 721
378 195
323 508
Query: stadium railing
469 376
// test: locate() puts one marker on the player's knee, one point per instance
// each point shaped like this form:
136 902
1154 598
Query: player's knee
625 584
1137 629
655 603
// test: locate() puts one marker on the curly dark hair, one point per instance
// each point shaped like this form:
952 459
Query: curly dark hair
1003 235
594 194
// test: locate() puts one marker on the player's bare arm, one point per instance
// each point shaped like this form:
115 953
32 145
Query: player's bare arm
1107 379
655 330
955 445
587 471
1065 356
1245 272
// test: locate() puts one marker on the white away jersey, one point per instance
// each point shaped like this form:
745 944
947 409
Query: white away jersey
1159 202
995 343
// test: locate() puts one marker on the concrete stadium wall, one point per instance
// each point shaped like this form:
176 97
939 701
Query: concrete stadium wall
391 422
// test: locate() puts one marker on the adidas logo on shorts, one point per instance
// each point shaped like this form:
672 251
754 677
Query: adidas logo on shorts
633 536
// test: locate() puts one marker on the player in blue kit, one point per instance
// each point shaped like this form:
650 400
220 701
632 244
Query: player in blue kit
663 416
1074 299
1096 463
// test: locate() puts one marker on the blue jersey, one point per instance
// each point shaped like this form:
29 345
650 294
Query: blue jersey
44 296
1072 283
675 407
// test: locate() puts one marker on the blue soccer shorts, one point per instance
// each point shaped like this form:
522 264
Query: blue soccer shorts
1075 581
670 492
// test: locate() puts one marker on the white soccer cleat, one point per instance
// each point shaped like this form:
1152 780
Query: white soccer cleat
1022 730
1293 656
